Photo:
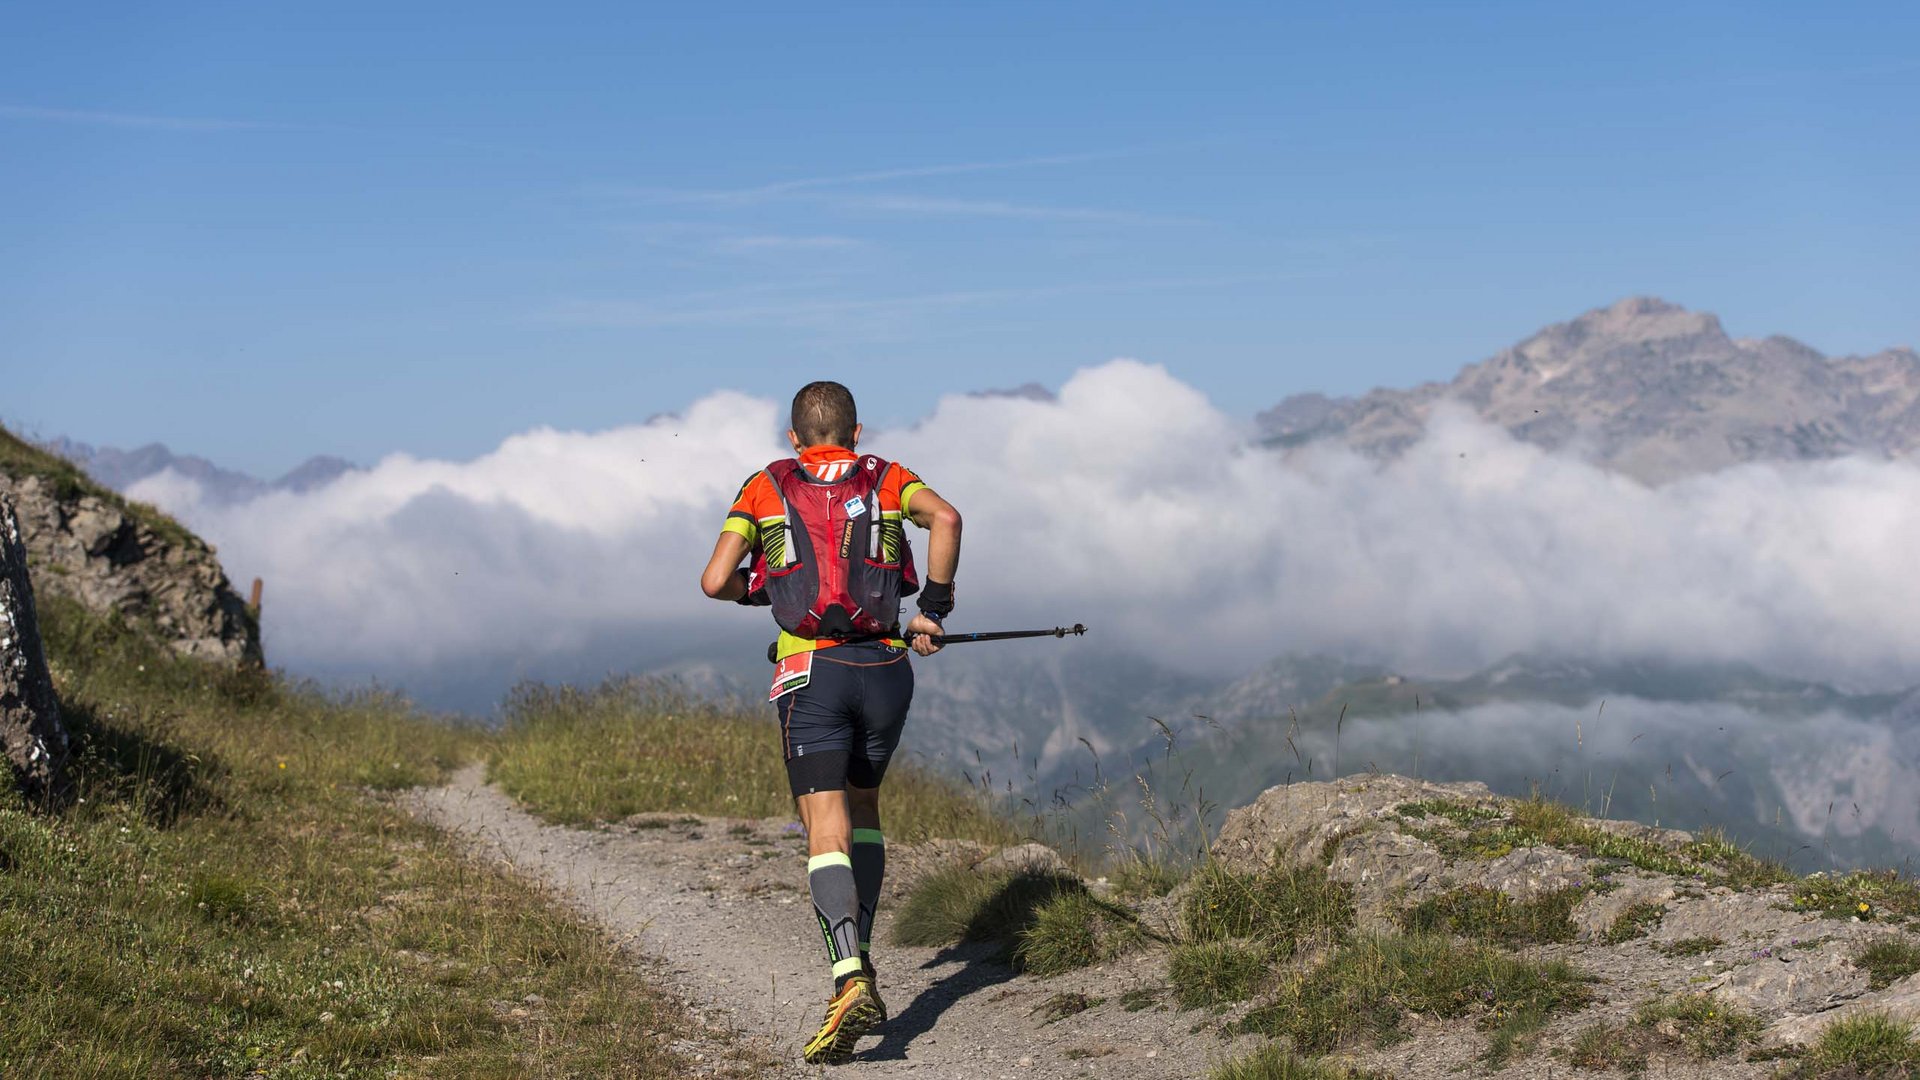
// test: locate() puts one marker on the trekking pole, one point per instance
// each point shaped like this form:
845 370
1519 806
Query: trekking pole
1076 630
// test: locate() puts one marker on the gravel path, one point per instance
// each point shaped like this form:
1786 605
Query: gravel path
717 910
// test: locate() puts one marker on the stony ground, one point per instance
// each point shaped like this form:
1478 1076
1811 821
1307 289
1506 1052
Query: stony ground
718 906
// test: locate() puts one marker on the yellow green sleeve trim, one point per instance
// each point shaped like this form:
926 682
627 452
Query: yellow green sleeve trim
912 488
747 530
829 858
868 836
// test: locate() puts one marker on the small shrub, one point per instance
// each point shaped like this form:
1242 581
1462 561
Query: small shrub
1635 922
1216 972
1366 988
1605 1046
1888 960
1870 1044
1490 915
957 904
1282 906
1703 1027
1072 930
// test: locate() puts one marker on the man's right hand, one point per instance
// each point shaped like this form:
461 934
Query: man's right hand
917 630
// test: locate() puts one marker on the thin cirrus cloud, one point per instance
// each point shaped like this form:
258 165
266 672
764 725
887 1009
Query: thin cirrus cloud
778 188
1129 501
131 120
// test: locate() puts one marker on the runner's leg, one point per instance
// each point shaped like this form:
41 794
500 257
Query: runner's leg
886 693
869 860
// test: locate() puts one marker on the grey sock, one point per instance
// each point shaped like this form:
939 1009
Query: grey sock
869 870
836 902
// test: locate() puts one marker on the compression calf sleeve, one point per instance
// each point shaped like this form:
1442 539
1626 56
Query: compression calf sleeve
869 870
836 903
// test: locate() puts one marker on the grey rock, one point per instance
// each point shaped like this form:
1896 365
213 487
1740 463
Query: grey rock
86 548
1750 918
1792 981
1649 389
1527 872
1599 911
1901 1001
1027 858
1294 822
32 739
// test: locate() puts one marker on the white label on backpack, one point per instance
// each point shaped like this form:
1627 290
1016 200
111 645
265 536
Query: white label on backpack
855 506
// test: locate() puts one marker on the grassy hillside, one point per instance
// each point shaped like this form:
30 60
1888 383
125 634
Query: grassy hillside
233 898
627 747
19 458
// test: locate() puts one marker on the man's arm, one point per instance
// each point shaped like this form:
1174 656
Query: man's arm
942 522
719 580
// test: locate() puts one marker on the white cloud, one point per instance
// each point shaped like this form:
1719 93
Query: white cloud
1130 503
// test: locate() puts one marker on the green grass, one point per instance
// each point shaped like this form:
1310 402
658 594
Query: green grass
1365 990
630 747
1278 1063
1888 960
1490 915
1867 1045
1136 876
1216 972
959 904
1637 921
1863 894
1283 907
1075 930
1603 1046
228 900
1703 1027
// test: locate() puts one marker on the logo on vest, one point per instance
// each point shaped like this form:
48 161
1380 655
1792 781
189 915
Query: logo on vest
846 540
855 506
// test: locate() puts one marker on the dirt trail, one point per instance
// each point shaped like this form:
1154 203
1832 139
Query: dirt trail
717 910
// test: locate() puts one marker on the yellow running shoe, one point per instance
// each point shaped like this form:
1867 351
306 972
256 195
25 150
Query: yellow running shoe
852 1013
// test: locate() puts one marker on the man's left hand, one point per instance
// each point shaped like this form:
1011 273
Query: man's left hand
918 629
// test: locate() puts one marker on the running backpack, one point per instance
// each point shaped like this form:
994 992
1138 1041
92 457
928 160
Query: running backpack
838 569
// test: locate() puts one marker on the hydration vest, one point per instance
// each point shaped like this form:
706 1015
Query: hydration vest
838 569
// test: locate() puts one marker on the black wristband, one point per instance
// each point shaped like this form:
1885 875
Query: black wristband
936 598
749 598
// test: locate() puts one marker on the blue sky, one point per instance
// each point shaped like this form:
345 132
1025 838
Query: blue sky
258 232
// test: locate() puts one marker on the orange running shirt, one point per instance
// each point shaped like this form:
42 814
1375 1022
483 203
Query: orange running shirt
758 513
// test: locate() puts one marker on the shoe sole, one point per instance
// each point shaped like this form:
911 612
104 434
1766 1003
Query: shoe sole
858 1021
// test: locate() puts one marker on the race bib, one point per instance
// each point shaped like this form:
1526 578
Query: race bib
791 674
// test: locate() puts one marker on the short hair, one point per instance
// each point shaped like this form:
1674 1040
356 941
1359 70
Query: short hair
823 415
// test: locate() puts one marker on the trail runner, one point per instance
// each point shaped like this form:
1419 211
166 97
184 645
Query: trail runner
830 556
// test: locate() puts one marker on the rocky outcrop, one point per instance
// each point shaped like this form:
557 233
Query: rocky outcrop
95 550
32 739
1653 911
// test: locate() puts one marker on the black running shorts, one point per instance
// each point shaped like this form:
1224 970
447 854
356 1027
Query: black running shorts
840 729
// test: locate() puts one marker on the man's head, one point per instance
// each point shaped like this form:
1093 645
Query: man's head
823 415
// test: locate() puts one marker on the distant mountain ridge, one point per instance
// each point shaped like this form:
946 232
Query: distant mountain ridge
1647 388
120 469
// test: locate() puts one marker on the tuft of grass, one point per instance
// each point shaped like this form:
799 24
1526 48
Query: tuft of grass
1138 876
1637 921
1863 894
1060 1006
1216 972
1278 1063
1074 929
1602 1046
1490 915
1282 907
1869 1044
1139 998
1693 946
1737 868
1366 988
635 747
958 904
229 901
1888 960
1697 1023
1465 815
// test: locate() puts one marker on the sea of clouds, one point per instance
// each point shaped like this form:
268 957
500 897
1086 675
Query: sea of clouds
1130 503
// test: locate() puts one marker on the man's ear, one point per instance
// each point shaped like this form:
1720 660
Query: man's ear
856 436
795 440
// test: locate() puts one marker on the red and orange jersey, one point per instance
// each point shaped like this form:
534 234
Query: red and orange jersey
757 510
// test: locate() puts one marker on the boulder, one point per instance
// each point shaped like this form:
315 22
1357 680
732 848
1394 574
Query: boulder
1792 981
1029 858
1294 822
1901 1001
1527 872
1601 910
32 738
